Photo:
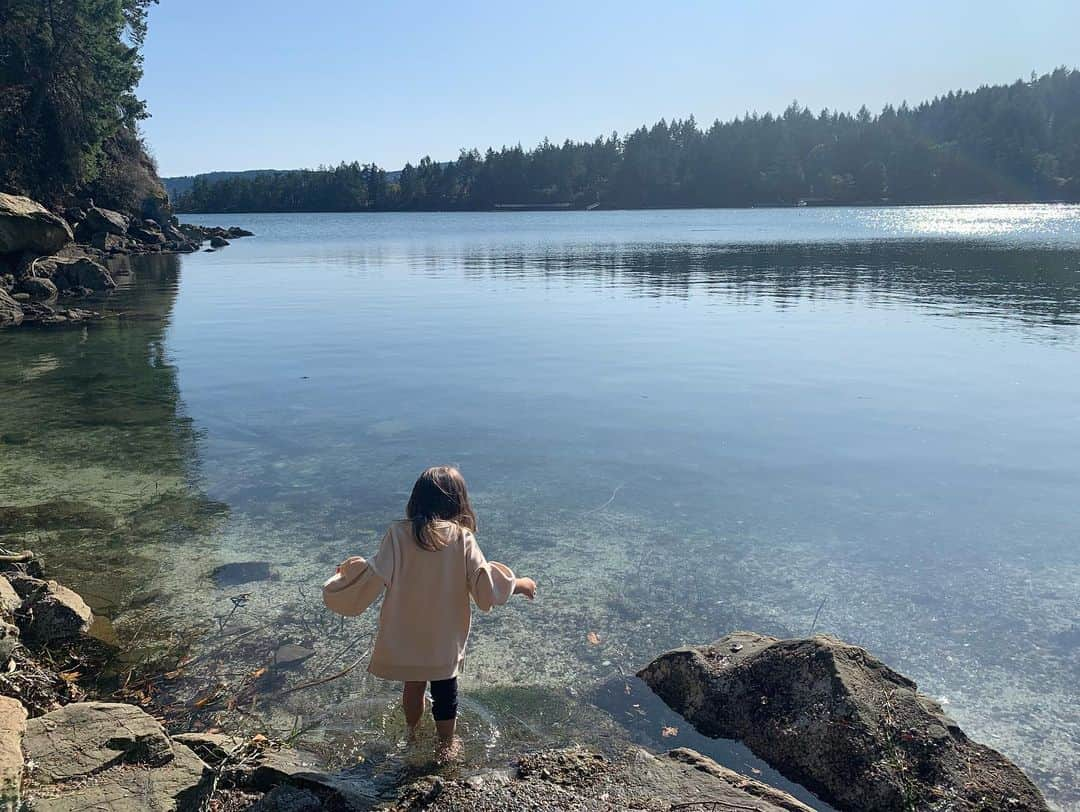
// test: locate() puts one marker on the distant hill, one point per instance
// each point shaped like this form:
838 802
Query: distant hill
182 184
1000 143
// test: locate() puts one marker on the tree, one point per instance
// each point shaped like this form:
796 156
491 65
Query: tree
68 70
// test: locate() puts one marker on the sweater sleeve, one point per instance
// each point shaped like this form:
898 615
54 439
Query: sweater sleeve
359 582
490 583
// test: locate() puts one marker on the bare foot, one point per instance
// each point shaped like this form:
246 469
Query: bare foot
450 751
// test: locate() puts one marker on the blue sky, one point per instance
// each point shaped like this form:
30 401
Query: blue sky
244 84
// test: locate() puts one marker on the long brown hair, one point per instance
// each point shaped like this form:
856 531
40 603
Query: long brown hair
439 493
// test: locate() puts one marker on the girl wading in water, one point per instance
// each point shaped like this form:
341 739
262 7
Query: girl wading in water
429 565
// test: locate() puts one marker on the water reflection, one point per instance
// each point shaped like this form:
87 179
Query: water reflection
678 429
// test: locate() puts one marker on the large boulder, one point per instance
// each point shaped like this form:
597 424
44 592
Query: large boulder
87 737
105 220
29 226
38 288
12 728
55 614
583 781
834 718
103 755
75 272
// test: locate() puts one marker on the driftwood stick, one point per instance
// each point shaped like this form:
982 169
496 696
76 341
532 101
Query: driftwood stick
18 558
325 680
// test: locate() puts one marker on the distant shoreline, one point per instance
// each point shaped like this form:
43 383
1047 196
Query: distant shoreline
770 206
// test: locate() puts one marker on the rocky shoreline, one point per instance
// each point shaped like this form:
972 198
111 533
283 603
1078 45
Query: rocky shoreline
48 259
825 714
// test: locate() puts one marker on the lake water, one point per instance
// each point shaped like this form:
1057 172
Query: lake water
681 423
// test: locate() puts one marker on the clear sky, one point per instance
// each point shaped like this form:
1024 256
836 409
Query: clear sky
251 84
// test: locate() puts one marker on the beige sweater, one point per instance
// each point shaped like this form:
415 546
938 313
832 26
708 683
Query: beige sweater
425 618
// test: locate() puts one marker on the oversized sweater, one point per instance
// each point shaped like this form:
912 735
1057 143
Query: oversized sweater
425 618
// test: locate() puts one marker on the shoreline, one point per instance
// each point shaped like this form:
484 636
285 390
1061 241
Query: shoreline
192 760
763 207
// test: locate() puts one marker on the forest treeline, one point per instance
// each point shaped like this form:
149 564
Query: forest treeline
1017 142
69 114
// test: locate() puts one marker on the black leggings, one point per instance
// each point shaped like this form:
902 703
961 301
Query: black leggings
444 699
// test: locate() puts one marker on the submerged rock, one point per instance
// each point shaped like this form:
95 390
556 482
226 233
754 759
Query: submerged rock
28 226
832 717
241 572
288 799
581 780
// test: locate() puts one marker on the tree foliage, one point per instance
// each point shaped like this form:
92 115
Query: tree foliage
68 72
1003 143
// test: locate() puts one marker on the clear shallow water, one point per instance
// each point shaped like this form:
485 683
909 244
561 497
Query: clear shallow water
681 423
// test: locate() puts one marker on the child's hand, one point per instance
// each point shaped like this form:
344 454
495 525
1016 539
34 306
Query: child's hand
526 587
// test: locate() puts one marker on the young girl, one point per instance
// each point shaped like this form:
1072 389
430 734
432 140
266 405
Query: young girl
429 564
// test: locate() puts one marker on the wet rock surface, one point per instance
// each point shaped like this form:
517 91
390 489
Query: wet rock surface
579 779
832 717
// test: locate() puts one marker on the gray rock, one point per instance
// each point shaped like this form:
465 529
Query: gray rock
104 241
218 242
584 781
29 226
24 584
288 799
9 641
181 785
7 282
107 220
20 297
11 312
12 728
150 236
80 272
87 737
832 717
56 614
10 600
37 288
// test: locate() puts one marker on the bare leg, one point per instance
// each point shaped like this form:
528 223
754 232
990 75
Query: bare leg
412 701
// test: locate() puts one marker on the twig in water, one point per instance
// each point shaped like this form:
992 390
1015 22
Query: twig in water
17 558
818 612
614 493
325 680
